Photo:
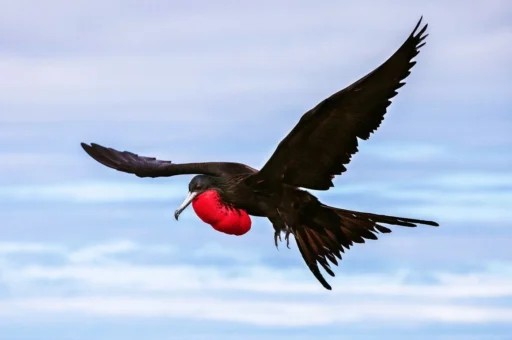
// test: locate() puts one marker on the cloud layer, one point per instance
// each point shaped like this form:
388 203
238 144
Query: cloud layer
90 253
101 281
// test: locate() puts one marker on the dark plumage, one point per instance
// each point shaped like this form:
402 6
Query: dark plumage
318 148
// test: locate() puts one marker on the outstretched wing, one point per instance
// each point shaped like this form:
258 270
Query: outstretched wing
325 138
322 243
141 166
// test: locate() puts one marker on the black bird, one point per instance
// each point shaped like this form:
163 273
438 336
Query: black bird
318 148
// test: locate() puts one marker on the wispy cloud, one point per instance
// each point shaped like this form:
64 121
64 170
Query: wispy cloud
258 312
32 248
456 197
102 253
256 279
94 192
151 61
103 288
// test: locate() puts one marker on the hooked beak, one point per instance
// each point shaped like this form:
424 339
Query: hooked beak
185 204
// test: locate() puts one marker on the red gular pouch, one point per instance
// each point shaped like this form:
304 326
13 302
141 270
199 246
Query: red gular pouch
209 208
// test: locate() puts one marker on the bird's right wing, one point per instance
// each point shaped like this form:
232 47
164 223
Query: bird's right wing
325 138
141 166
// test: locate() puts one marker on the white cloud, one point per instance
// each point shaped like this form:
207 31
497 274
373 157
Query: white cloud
200 279
455 187
25 167
264 313
85 255
102 253
7 248
474 180
457 212
94 192
464 196
184 57
217 251
449 246
407 153
90 283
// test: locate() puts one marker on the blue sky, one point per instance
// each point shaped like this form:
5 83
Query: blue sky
90 253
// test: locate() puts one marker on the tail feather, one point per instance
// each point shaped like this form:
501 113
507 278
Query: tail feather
326 232
401 221
312 252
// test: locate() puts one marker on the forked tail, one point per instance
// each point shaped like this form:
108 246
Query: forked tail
325 232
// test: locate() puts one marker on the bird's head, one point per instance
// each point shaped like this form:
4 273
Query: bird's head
198 185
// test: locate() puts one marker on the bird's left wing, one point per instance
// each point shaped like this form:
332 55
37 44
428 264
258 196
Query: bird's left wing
141 166
325 138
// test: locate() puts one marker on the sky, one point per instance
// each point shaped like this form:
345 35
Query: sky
87 252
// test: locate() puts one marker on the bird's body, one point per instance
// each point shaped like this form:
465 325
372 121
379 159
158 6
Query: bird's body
224 194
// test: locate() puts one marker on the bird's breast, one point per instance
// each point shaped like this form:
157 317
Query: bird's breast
210 208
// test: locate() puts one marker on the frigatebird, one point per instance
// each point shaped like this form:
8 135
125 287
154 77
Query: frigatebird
224 194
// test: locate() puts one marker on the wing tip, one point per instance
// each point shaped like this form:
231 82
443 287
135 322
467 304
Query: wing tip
418 24
420 36
88 148
99 154
91 148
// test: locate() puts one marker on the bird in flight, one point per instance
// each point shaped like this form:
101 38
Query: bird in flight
226 194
